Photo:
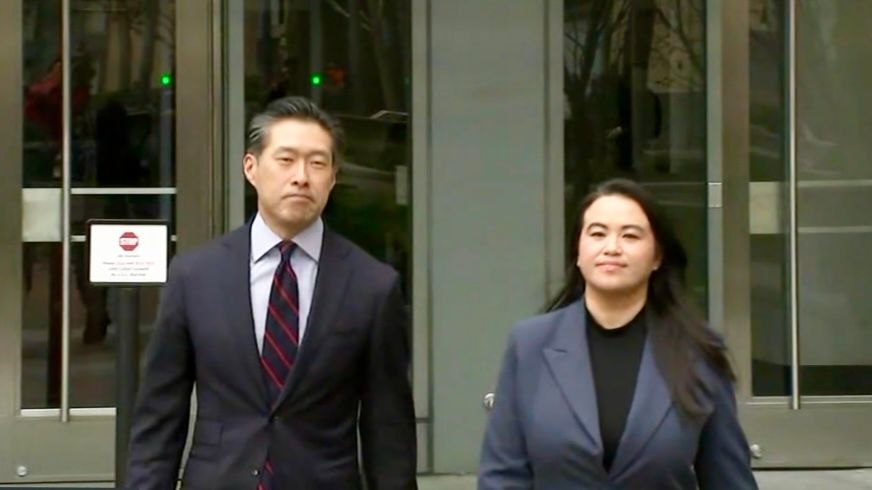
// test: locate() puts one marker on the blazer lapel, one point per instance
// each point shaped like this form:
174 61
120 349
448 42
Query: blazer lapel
569 362
238 308
330 284
651 403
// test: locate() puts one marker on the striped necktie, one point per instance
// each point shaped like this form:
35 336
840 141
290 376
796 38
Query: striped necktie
281 338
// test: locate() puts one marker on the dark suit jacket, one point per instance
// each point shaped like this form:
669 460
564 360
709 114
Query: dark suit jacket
543 431
351 373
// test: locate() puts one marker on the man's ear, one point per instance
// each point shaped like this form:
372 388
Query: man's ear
249 161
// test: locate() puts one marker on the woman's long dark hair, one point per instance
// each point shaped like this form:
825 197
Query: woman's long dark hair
678 332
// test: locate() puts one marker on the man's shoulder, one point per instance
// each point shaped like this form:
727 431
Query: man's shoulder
215 252
361 260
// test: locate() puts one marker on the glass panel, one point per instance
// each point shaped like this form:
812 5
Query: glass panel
769 241
85 207
122 136
635 107
93 336
835 195
41 298
351 57
41 326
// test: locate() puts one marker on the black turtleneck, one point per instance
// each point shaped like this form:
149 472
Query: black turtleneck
615 355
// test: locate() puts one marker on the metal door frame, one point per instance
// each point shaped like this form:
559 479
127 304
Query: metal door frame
67 444
791 431
11 148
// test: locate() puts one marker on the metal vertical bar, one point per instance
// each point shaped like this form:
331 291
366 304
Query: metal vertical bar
714 161
234 106
792 190
65 211
421 137
12 246
555 233
727 120
316 49
354 41
127 372
217 83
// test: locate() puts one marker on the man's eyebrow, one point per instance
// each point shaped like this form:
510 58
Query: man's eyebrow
291 149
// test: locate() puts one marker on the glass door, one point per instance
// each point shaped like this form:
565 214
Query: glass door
91 133
811 232
354 59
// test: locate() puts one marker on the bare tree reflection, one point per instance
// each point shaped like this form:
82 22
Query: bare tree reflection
634 89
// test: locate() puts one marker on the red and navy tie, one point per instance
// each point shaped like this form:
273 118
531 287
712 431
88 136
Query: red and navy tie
281 337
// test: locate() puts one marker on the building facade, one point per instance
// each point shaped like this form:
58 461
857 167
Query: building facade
474 128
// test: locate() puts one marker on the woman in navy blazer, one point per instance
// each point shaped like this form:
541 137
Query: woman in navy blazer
620 385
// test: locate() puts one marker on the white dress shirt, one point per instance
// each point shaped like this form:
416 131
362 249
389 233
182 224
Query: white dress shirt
265 257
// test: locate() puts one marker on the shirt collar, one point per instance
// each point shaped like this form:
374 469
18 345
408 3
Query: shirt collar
263 239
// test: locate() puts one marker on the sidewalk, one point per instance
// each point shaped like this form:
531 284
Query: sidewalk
768 480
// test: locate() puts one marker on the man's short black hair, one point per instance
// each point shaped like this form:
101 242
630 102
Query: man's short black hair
293 107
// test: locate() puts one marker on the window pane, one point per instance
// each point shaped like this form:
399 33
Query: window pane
634 83
768 172
835 194
352 58
122 136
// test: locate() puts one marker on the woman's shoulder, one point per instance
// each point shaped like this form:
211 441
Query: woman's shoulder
715 381
536 331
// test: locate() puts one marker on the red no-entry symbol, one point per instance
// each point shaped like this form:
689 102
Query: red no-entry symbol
128 241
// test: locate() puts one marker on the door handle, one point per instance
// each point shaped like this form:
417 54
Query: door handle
488 401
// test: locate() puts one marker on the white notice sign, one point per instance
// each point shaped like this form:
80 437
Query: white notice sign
128 253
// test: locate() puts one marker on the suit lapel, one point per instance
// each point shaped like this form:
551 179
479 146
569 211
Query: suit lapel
651 403
569 362
330 284
238 308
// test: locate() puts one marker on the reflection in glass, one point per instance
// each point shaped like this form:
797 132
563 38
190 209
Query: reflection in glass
122 129
92 333
635 107
835 194
93 312
768 172
41 168
119 206
40 327
352 58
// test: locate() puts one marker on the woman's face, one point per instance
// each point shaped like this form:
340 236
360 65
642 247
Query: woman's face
617 251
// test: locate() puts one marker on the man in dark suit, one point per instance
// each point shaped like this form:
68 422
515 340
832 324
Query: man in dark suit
296 339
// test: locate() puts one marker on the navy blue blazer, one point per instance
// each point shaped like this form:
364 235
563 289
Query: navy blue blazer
543 431
350 378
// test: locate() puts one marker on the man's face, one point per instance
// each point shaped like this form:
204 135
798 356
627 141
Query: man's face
293 174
